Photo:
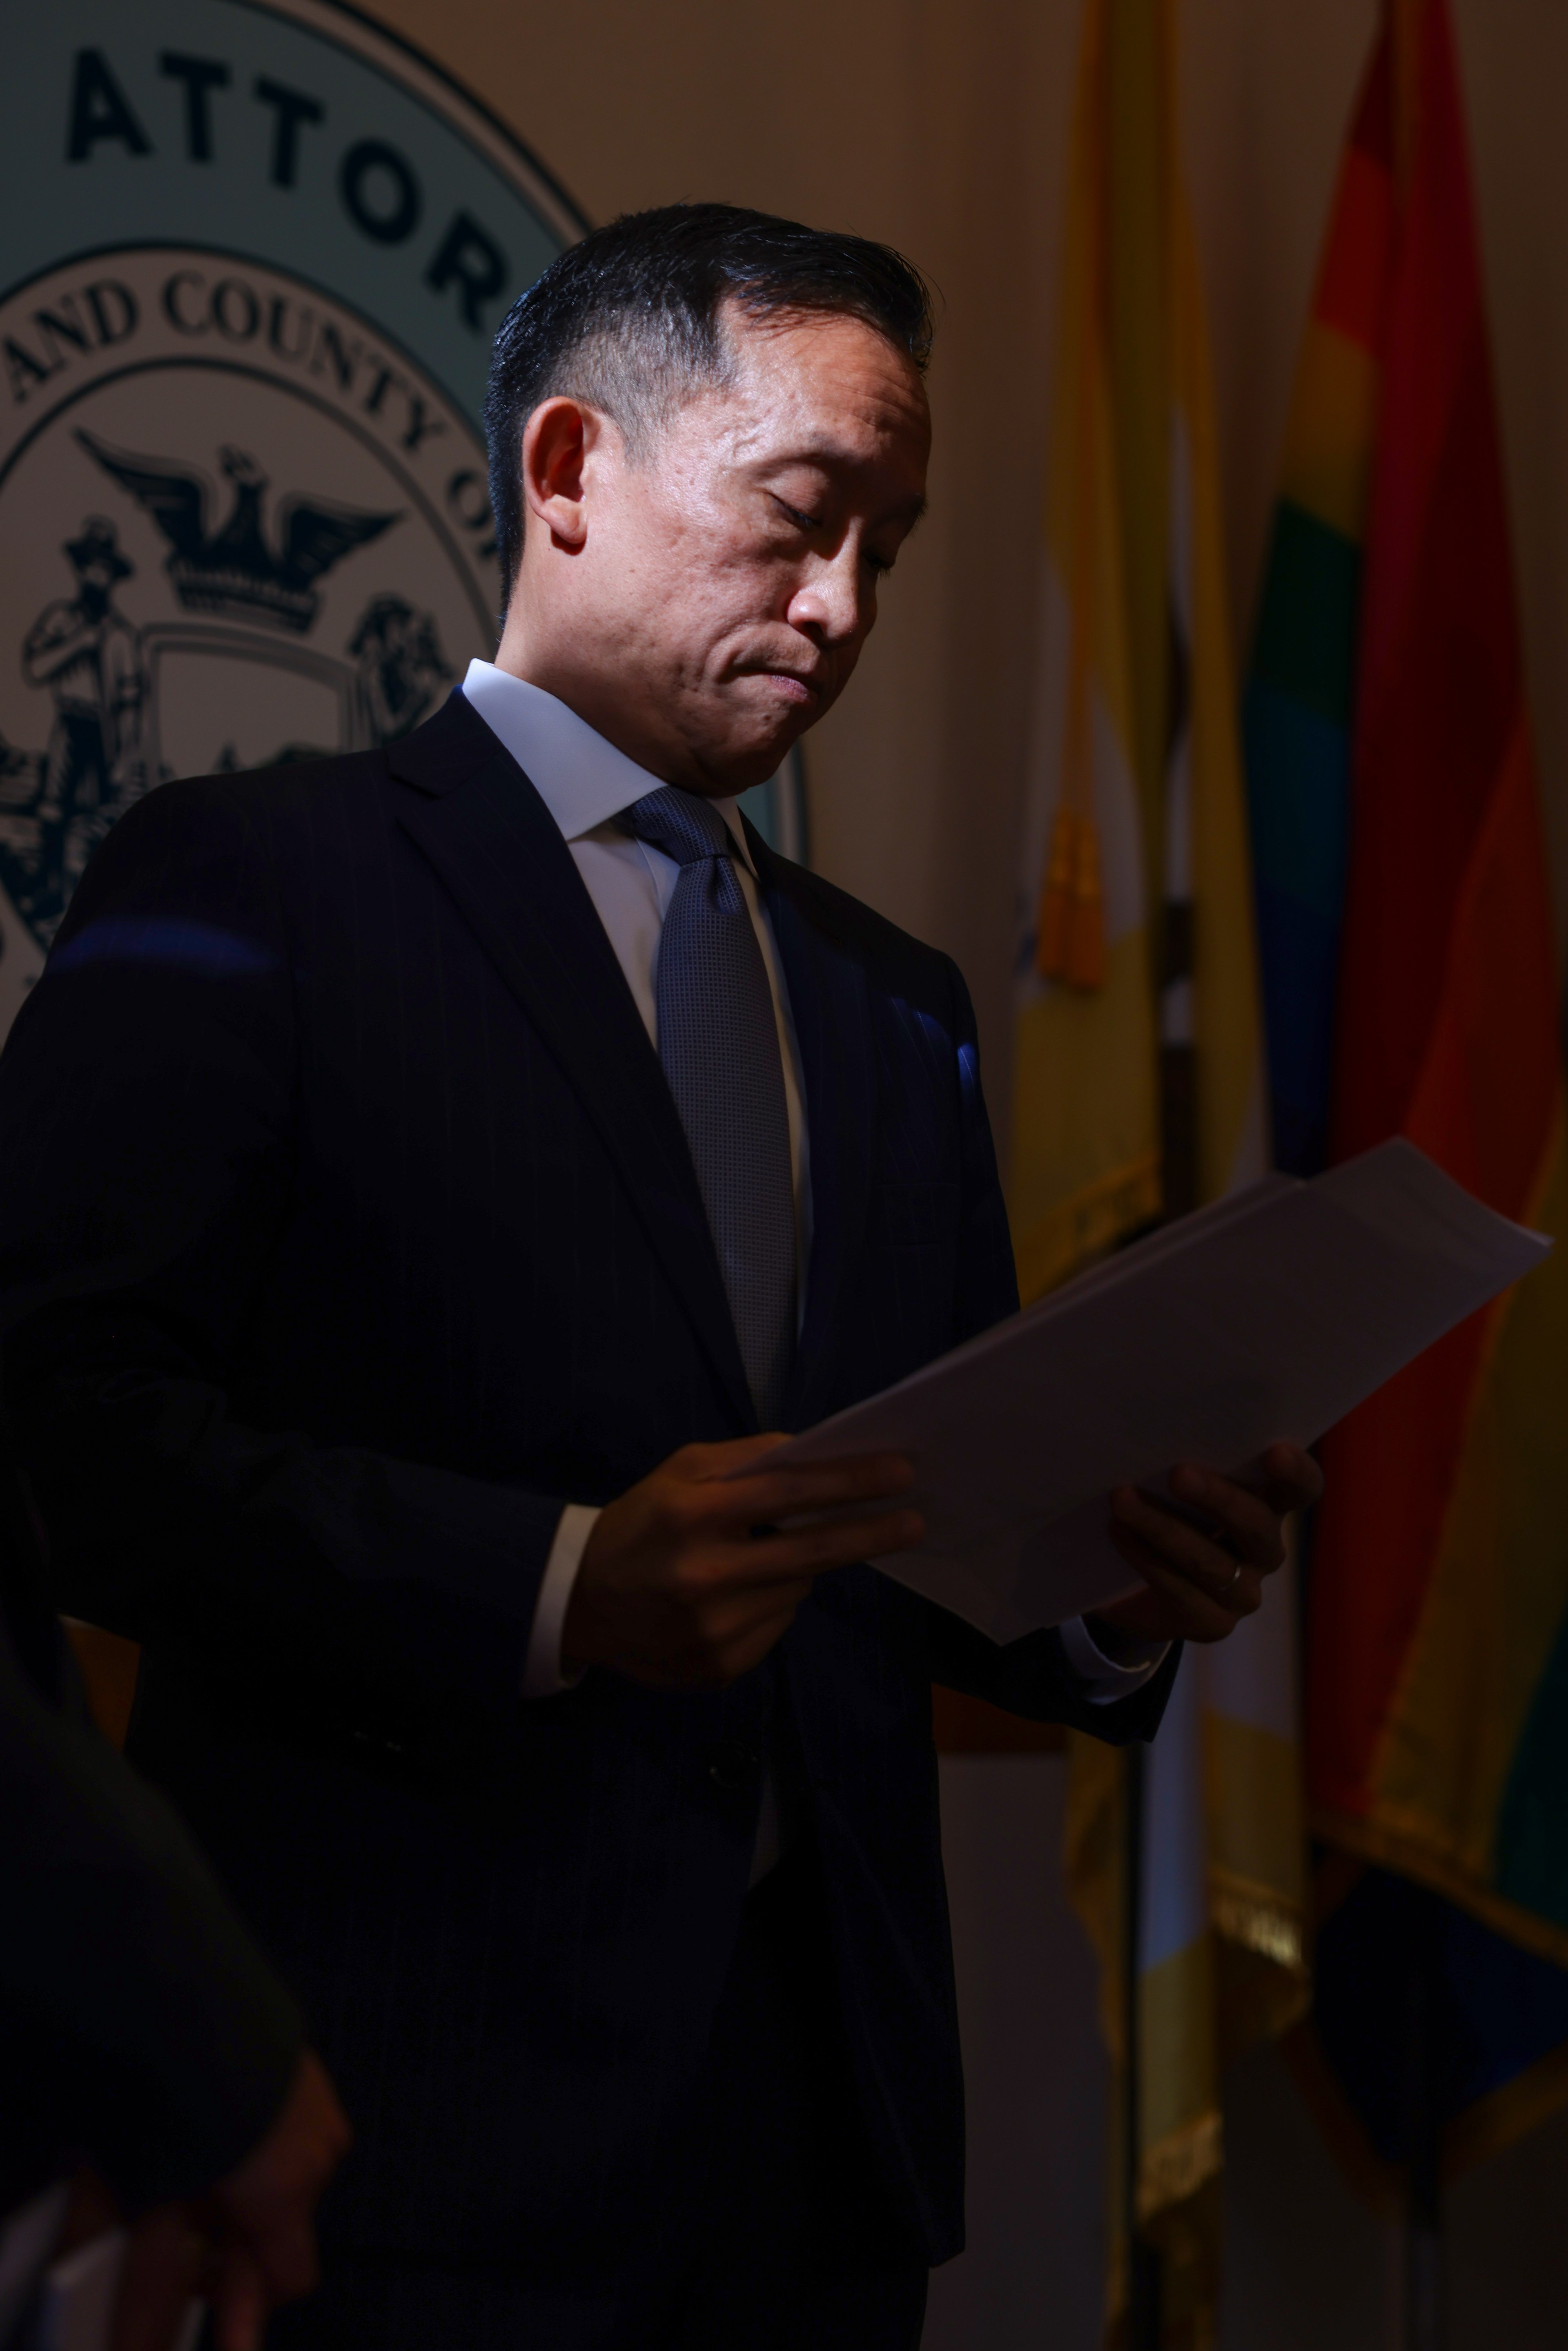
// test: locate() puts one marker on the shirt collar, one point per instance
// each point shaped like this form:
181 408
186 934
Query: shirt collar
582 779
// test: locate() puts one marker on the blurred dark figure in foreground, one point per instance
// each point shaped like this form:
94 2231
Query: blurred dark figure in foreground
153 2069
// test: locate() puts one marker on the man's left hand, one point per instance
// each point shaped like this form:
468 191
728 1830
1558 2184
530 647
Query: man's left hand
1202 1579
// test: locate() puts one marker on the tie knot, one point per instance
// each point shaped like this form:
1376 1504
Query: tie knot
682 824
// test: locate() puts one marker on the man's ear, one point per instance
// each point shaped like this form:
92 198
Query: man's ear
559 442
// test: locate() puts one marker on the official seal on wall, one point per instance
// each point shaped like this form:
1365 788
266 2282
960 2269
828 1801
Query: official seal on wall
253 259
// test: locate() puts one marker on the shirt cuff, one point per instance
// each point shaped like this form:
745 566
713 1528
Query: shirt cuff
1106 1680
542 1674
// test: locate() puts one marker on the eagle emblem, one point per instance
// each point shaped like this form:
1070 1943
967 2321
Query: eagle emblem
238 570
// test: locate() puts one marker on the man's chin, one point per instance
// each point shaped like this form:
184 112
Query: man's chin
731 769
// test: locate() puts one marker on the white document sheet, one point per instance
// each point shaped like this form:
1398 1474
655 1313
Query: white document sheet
76 2308
1266 1317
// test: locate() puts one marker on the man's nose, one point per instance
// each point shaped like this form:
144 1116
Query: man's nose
836 602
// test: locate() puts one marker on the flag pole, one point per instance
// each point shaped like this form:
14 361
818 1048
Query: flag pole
1143 2260
1423 2136
1179 1192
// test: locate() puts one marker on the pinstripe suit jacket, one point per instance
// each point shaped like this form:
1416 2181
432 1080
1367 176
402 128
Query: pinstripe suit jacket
346 1230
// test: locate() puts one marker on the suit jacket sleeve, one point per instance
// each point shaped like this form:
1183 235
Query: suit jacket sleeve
139 2027
146 1164
1030 1678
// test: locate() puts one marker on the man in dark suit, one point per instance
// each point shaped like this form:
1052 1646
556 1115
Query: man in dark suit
425 1179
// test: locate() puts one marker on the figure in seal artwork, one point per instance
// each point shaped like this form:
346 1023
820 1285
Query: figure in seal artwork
89 655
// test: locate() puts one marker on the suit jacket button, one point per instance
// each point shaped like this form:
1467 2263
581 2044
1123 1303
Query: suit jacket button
733 1764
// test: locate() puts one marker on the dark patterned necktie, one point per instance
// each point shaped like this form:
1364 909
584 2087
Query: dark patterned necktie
718 1044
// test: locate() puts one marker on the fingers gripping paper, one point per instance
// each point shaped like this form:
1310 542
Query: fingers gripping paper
1266 1317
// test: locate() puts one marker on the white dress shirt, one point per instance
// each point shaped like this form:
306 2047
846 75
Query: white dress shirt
585 781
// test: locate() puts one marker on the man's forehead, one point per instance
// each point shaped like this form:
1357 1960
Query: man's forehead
824 387
800 346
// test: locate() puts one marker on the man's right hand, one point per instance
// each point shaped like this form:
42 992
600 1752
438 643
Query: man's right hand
691 1577
265 2210
249 2243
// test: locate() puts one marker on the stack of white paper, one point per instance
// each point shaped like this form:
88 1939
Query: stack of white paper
1266 1317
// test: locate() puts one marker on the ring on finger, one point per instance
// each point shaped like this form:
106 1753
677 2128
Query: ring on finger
1224 1597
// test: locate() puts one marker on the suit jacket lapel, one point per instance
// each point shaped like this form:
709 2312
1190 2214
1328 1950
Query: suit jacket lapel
830 1005
495 845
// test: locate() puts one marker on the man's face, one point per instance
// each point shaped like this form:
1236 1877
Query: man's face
729 578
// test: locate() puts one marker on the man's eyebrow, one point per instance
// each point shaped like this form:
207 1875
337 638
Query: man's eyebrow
909 511
828 455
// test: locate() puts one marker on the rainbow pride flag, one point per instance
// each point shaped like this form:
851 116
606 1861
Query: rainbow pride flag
1411 987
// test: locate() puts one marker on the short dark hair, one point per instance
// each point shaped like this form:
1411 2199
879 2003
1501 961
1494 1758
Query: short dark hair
628 321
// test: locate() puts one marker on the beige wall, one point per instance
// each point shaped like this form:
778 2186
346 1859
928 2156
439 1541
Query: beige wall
941 124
